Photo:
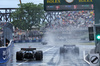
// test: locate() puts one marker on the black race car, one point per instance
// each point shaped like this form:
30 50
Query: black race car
44 42
29 53
69 49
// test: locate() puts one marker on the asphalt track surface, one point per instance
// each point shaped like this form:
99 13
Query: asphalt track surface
51 56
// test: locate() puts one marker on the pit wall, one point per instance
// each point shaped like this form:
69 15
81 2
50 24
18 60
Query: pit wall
6 54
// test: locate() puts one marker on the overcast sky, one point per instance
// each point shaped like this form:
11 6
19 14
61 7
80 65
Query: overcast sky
14 3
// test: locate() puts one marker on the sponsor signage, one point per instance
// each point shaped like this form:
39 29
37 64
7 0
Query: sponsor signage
68 5
74 5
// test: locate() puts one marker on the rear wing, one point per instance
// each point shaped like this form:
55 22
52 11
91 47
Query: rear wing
70 45
28 49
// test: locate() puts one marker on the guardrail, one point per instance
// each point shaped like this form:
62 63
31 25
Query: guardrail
26 41
6 54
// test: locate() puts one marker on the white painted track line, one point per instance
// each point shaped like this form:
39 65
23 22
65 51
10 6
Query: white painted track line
85 58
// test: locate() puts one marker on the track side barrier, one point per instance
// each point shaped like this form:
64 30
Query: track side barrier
26 41
6 54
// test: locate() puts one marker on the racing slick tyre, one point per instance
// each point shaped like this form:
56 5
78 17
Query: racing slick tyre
39 55
61 50
76 50
19 56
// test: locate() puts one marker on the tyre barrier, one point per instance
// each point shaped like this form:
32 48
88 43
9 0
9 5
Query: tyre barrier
26 41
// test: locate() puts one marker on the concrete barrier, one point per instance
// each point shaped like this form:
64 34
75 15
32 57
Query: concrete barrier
26 41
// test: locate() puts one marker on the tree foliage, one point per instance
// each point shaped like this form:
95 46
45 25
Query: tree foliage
27 15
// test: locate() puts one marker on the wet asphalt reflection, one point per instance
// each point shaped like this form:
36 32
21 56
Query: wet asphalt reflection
51 56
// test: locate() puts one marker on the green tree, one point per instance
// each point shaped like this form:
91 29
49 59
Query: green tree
27 15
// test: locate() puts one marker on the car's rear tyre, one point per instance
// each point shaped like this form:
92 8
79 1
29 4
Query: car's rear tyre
76 50
39 55
62 50
19 56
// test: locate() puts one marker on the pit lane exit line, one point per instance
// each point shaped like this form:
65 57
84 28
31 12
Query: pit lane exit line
85 58
48 49
21 63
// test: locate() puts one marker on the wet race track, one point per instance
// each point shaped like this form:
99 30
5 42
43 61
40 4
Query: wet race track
51 55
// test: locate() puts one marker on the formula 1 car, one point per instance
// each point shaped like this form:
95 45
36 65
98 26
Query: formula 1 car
29 53
69 48
44 42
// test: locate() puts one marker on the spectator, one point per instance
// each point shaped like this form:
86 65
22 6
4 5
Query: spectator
7 42
0 42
